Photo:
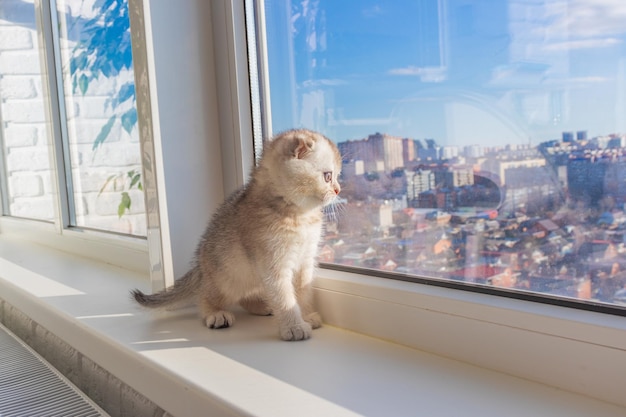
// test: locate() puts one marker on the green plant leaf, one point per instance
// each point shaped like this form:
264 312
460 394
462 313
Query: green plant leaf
106 183
135 180
83 83
104 132
124 204
129 119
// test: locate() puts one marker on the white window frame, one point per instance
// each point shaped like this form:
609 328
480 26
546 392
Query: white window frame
575 350
199 144
126 251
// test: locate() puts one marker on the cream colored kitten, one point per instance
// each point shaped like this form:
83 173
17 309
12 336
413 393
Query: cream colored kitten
259 249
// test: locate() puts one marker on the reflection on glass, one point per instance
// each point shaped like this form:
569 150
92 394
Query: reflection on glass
24 141
101 115
483 142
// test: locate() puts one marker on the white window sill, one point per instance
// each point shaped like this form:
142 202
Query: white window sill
574 350
186 369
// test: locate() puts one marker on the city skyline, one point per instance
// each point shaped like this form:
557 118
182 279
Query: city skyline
461 73
548 216
548 219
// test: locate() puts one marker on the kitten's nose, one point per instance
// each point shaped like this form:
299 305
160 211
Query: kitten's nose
337 189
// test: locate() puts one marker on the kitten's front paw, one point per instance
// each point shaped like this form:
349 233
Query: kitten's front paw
220 320
301 331
314 319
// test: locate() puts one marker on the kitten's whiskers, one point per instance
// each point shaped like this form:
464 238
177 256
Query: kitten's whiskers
333 209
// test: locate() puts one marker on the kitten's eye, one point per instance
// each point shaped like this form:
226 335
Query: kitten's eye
328 176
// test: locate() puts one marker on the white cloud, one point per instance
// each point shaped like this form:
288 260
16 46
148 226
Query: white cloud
547 30
586 18
577 80
426 74
582 44
406 71
326 82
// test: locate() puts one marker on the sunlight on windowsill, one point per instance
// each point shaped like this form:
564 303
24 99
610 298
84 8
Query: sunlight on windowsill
174 361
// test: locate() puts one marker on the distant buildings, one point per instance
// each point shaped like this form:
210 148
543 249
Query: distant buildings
581 135
535 189
432 176
589 169
615 181
500 167
379 152
616 142
548 219
409 150
473 151
454 176
568 137
427 150
419 182
585 179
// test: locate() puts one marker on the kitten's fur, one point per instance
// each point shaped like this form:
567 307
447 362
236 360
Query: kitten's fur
259 249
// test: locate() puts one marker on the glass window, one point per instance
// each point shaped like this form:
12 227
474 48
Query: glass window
88 68
484 143
101 116
25 153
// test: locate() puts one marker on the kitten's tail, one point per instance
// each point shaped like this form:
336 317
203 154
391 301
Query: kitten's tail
183 289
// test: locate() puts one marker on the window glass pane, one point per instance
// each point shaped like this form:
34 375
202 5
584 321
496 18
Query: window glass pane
484 142
101 115
24 141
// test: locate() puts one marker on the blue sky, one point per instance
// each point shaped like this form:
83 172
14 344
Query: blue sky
463 72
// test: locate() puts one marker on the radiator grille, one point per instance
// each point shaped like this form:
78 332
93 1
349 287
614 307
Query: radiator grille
29 386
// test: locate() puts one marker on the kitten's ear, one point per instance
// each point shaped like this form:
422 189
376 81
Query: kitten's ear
302 146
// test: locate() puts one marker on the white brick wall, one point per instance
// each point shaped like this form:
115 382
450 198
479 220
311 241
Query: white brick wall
18 87
16 135
24 111
27 159
92 107
32 207
15 37
24 133
23 116
29 184
20 62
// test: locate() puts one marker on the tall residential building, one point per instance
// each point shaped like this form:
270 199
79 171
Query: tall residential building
473 151
373 150
454 176
586 179
409 151
616 142
568 136
419 182
449 152
498 167
615 181
427 150
534 188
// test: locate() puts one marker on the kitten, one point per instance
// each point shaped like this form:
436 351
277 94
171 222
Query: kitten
259 249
